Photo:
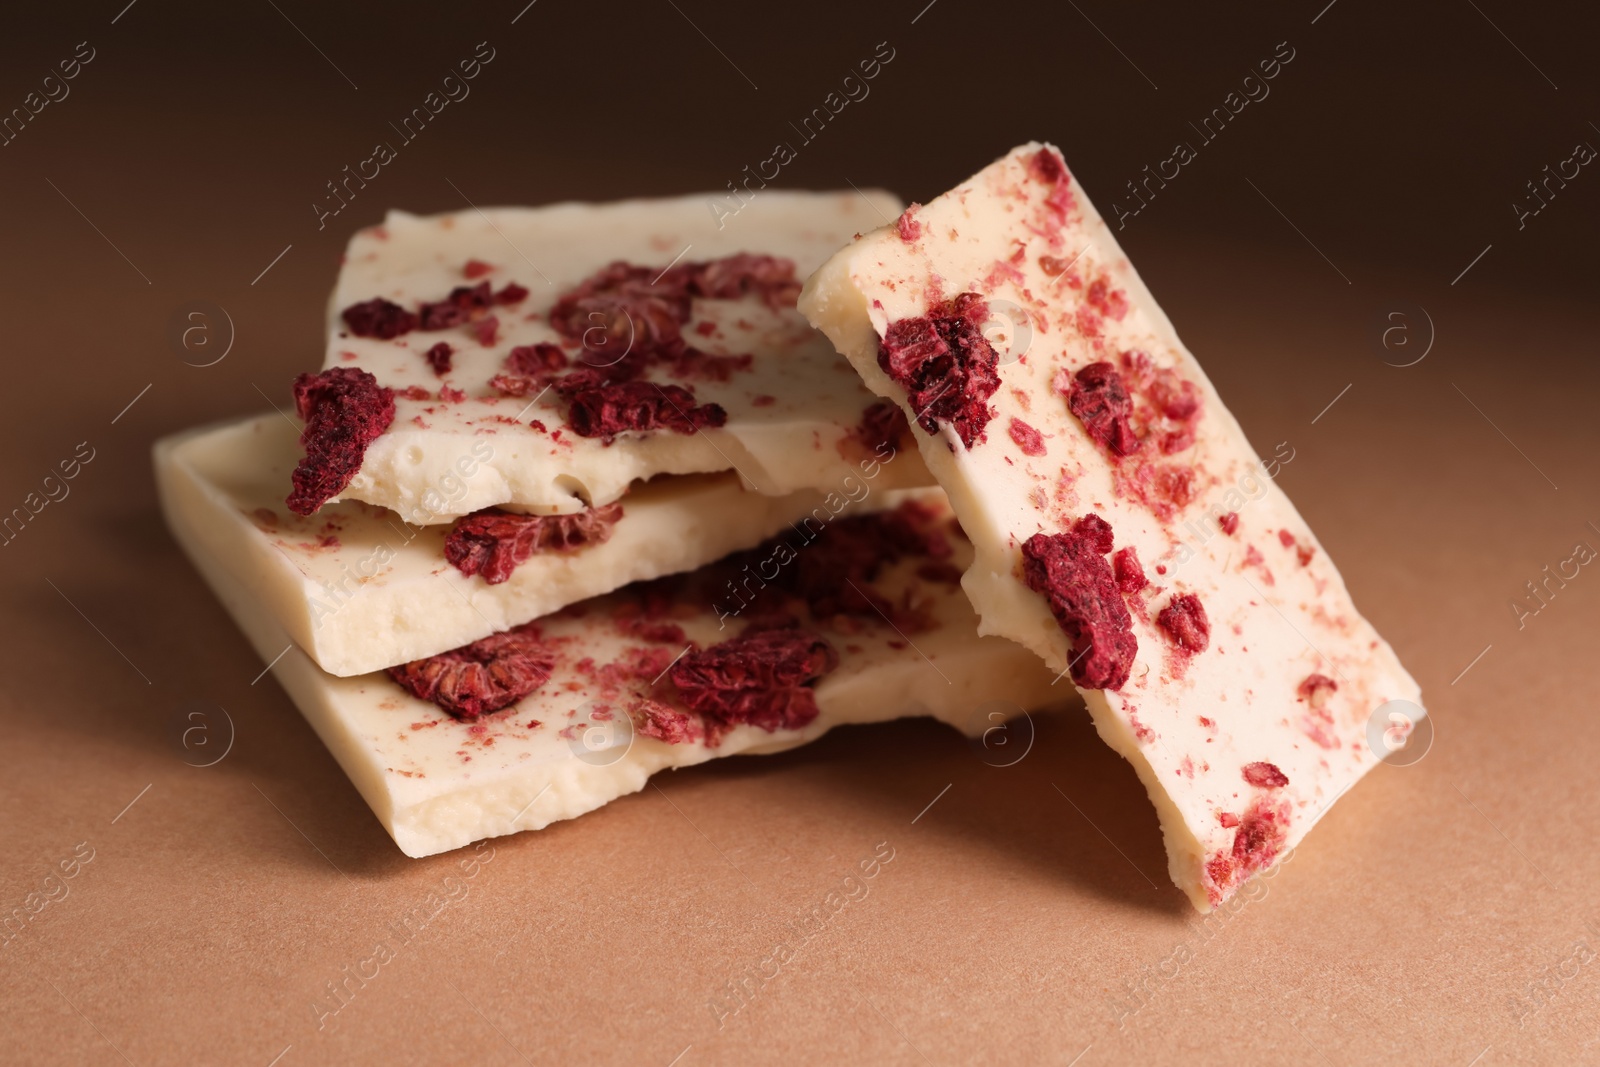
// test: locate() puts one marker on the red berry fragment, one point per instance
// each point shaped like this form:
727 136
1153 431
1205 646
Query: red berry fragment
655 719
1260 837
476 268
1316 689
534 360
947 367
607 410
882 424
1184 619
1028 439
1130 573
1265 775
1099 398
1047 165
456 308
1229 522
1071 572
378 318
762 677
482 677
511 294
438 358
345 410
908 226
486 330
494 542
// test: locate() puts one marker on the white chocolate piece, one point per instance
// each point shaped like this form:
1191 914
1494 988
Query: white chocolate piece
437 784
359 589
790 417
1062 296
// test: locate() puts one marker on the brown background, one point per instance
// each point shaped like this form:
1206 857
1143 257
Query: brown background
1009 926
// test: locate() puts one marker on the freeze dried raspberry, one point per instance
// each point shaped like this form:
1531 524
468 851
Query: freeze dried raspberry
655 719
456 308
494 542
619 305
1316 689
513 385
1229 522
772 278
1260 837
1130 573
1071 572
833 573
908 226
882 423
607 410
1184 619
476 268
534 360
1265 775
378 318
1100 399
486 330
762 677
484 676
1112 303
438 358
511 294
947 367
1028 439
1047 165
345 410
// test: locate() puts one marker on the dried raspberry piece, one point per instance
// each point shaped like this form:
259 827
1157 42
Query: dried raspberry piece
1229 523
1264 775
882 423
494 542
772 278
378 318
511 294
438 358
1100 399
482 677
607 410
345 410
1260 837
1176 398
1228 819
908 226
762 677
1130 573
1184 619
537 359
947 367
1071 572
655 719
476 268
486 330
1047 165
456 308
513 385
1028 439
1316 689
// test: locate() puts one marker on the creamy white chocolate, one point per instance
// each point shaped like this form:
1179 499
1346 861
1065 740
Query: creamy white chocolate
359 589
437 784
790 416
1061 296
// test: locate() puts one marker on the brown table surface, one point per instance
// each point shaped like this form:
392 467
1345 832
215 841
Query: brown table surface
1437 915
